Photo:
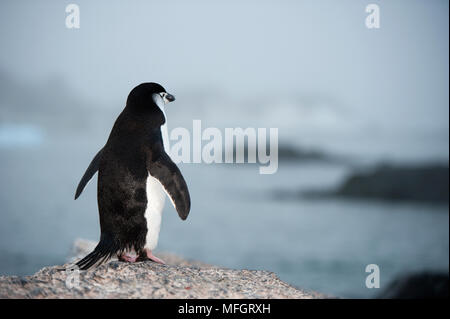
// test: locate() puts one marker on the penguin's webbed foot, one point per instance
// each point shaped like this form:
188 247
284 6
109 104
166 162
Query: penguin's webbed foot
128 258
153 257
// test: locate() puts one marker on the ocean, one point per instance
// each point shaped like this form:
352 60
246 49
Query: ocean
236 221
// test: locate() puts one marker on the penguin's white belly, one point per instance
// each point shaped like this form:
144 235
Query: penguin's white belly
156 195
155 204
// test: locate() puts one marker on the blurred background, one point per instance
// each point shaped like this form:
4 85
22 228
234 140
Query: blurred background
362 114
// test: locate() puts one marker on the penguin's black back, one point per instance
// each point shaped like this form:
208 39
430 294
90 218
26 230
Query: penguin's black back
123 175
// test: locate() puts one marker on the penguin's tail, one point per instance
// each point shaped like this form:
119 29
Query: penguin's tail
105 249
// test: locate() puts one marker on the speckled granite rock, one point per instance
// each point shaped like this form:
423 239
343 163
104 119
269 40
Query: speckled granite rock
179 278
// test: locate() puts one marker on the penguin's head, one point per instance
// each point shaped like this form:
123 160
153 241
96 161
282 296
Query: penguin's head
148 96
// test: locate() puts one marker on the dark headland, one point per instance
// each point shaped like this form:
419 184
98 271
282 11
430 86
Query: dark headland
420 183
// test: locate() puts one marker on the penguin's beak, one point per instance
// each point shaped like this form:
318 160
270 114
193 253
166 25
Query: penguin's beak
170 97
167 97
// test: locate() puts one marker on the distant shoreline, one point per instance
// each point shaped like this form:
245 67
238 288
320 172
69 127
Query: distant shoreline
427 183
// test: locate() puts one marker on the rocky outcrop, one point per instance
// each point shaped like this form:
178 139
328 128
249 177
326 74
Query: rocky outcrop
179 278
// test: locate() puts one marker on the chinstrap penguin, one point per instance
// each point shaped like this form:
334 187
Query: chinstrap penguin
134 175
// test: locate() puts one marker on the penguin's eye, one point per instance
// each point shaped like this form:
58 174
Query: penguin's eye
167 97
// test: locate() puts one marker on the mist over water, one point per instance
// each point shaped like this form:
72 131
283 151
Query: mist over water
311 69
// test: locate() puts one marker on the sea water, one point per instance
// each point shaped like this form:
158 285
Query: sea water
236 221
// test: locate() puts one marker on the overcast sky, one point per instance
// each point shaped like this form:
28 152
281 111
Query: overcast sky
259 50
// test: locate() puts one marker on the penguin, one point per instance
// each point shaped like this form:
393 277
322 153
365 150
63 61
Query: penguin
135 173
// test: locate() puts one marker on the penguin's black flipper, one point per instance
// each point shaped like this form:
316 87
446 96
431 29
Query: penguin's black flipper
91 170
168 174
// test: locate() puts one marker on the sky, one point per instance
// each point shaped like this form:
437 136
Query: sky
281 58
